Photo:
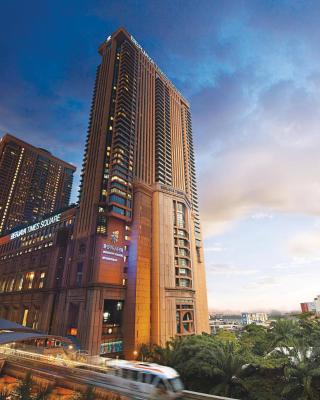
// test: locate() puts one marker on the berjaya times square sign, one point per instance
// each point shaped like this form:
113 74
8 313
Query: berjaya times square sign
32 228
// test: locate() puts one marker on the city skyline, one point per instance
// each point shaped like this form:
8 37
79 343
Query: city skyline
253 90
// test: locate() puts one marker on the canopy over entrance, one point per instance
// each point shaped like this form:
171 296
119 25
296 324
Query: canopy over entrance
11 332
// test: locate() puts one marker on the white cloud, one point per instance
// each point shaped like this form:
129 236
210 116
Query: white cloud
272 164
216 248
261 215
305 244
229 270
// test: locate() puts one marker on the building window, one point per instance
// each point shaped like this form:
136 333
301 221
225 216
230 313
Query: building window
35 319
183 262
198 255
180 215
117 210
117 199
42 279
25 317
11 285
29 278
79 274
185 282
183 252
185 319
20 285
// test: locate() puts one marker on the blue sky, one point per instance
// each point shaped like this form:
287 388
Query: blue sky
251 70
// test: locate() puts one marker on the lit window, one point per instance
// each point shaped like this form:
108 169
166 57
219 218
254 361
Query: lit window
25 317
20 283
30 277
42 279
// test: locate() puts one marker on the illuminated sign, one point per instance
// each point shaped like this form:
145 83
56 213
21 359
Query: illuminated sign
111 347
32 228
110 252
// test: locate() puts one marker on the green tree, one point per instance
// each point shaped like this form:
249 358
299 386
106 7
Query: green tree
229 370
4 394
166 355
310 329
192 357
44 392
89 394
146 352
284 332
302 374
255 339
24 389
226 336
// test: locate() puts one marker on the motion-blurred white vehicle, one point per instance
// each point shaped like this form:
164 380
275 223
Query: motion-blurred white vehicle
144 380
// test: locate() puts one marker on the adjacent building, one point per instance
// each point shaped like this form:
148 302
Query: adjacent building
32 265
254 318
133 268
311 306
33 183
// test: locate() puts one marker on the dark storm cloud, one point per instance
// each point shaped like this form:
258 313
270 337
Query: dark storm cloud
250 70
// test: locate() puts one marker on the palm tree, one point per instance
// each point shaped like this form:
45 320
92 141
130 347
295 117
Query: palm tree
284 331
44 393
89 394
4 394
23 390
229 370
302 373
145 352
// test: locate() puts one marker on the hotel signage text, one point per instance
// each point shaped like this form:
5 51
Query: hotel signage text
109 252
36 226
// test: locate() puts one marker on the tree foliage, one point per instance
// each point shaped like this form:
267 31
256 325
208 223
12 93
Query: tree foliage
281 362
89 394
24 389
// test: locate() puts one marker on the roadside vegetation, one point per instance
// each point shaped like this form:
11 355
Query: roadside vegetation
28 389
277 363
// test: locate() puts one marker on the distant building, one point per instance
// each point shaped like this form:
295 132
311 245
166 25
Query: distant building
311 306
254 318
231 323
33 183
308 307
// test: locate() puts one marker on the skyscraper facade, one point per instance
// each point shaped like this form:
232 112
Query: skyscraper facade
136 271
125 267
33 183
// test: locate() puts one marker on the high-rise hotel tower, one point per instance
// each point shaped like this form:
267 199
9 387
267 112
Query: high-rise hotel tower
33 183
137 270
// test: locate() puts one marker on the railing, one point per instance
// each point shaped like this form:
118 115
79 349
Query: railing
202 396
